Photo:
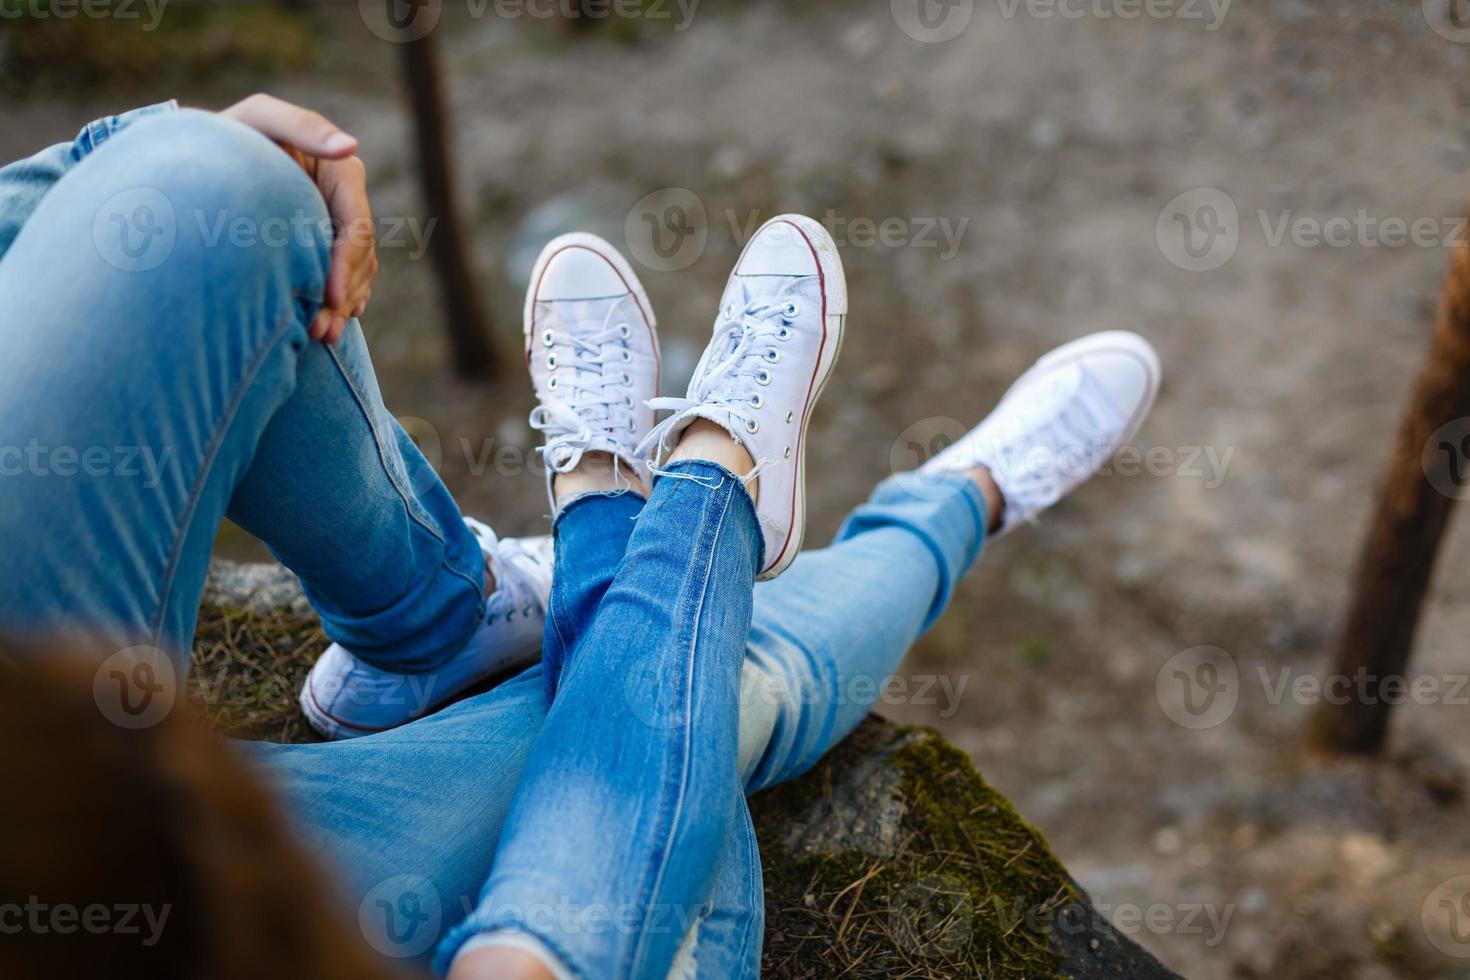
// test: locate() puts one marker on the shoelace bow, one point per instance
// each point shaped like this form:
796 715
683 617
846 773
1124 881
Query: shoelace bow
586 400
726 381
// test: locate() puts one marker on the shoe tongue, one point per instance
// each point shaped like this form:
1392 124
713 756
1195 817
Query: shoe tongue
1032 405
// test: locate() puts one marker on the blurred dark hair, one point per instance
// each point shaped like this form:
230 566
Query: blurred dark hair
148 852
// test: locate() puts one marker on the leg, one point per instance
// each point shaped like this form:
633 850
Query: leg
827 636
158 375
620 813
836 626
364 805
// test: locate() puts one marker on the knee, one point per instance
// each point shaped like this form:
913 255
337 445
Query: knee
224 196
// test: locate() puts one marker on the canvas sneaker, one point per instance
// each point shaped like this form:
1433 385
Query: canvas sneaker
344 697
592 350
775 342
1060 422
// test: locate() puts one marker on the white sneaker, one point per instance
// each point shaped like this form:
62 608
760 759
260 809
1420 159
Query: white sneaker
1060 422
343 697
592 349
775 342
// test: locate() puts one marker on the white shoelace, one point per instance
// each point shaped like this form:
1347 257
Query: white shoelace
584 414
730 382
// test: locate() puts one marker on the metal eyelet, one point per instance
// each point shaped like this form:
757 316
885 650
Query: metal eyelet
625 330
548 338
632 426
627 380
758 401
790 416
764 378
752 426
773 356
551 362
551 385
791 310
785 333
526 612
627 401
788 452
627 356
510 616
730 312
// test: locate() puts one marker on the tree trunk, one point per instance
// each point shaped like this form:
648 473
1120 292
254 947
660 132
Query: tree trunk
465 317
1414 504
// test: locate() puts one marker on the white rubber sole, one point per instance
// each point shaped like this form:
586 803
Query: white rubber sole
834 303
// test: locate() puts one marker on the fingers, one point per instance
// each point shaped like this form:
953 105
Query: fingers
310 132
354 249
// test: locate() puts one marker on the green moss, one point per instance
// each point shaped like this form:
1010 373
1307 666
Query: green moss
969 890
247 670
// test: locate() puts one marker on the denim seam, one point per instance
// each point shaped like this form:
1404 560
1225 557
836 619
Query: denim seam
713 536
754 884
407 498
186 517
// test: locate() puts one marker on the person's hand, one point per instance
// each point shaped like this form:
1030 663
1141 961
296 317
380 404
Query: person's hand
326 154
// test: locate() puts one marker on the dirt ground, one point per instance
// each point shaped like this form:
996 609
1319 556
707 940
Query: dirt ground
1047 148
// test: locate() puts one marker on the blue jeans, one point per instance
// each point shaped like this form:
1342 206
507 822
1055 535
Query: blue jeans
159 382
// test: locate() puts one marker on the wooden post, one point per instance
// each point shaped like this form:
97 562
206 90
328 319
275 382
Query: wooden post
464 311
1397 557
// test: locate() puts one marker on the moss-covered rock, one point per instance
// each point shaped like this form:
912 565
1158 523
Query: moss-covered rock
891 858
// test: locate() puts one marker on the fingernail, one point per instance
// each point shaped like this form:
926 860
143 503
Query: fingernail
340 143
